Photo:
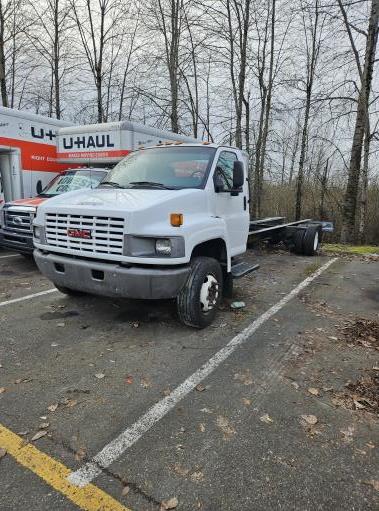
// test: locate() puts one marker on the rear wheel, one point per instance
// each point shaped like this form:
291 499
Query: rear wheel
198 301
68 291
311 240
298 241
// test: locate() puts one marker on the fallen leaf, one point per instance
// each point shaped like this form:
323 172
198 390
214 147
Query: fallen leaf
266 418
99 376
169 504
314 391
71 402
246 402
44 425
180 470
373 482
310 419
244 378
80 454
200 387
39 434
358 405
2 390
22 380
129 379
197 476
125 491
53 407
225 426
3 452
347 433
145 383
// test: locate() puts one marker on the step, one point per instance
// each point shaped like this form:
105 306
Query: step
243 268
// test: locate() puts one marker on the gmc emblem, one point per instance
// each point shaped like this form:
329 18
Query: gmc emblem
79 233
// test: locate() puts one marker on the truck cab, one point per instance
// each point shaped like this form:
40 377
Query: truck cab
165 223
16 217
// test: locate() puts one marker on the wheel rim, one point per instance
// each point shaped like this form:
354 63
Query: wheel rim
315 242
209 293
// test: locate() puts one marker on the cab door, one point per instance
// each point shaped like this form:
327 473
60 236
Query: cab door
232 207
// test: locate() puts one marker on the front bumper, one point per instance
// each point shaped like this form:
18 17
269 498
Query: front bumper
21 242
112 279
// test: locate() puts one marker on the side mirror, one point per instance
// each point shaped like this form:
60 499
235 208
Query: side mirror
238 175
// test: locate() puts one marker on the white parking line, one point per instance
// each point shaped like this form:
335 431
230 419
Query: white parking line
10 255
131 435
27 297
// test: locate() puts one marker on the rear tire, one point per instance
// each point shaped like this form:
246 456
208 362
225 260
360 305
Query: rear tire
198 301
298 241
68 291
311 240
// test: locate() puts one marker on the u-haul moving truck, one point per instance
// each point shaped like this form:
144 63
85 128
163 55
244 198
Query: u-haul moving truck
108 143
90 146
28 154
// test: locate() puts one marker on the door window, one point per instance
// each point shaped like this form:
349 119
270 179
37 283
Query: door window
224 170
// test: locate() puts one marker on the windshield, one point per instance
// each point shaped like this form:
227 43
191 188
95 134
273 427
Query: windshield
162 168
73 180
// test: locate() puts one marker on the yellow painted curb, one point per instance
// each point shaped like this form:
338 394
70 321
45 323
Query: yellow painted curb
89 498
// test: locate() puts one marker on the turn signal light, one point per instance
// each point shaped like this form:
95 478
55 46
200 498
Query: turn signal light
176 219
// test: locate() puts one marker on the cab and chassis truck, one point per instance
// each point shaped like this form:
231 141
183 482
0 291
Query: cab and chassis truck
168 222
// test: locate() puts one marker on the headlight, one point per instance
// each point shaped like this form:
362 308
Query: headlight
163 247
37 232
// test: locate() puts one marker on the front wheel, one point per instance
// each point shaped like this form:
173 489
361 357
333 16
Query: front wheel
198 301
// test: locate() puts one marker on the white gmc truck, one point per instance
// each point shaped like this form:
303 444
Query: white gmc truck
167 222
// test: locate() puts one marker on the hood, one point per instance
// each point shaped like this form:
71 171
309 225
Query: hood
128 200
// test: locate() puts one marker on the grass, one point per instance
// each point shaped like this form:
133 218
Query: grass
336 248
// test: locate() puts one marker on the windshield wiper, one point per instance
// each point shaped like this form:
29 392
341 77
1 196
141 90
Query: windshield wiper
111 183
152 184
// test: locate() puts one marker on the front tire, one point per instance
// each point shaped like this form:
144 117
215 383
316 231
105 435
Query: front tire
199 299
68 291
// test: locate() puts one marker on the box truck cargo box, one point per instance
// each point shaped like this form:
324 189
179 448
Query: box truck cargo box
28 153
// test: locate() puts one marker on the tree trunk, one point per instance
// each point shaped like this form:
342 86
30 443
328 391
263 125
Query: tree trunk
3 83
267 112
303 146
324 181
56 61
364 187
352 188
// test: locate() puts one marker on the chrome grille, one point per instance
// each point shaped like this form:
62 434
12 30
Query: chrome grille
18 220
107 233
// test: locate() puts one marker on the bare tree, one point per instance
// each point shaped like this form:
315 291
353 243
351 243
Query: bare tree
97 29
352 188
313 22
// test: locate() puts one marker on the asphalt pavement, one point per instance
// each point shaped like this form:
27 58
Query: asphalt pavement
270 426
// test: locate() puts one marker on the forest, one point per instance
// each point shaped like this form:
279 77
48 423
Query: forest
295 84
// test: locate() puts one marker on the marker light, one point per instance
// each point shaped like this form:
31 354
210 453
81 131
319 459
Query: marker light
176 219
